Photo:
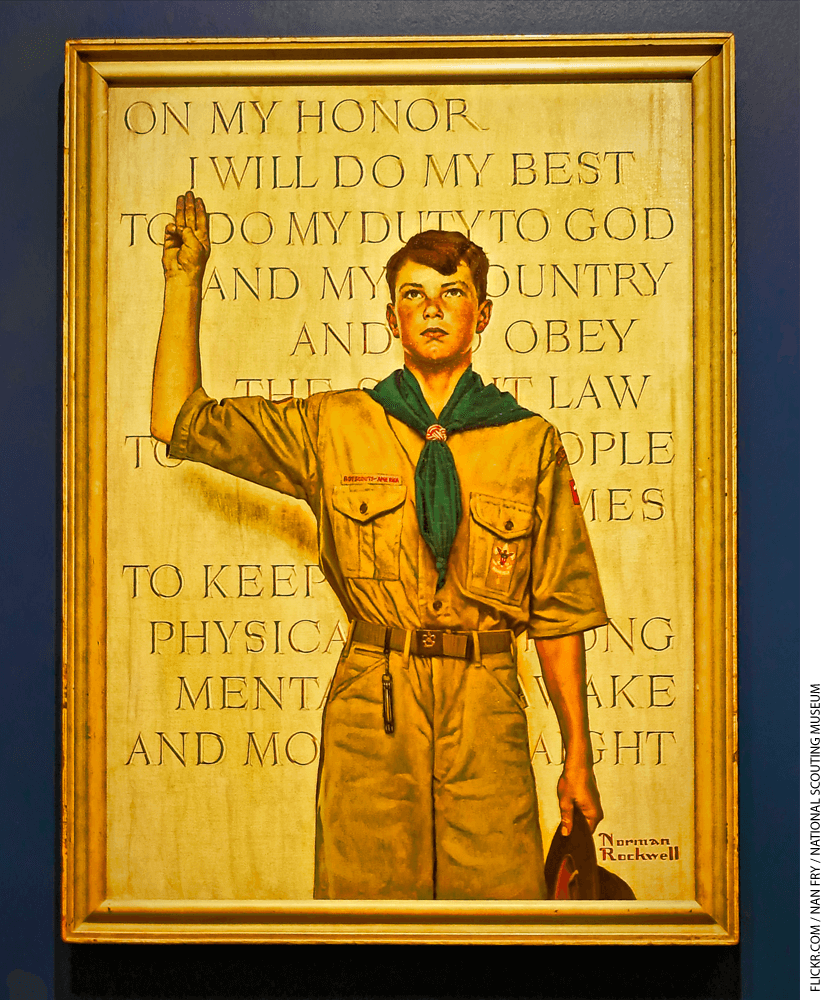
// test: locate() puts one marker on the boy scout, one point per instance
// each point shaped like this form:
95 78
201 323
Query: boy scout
448 525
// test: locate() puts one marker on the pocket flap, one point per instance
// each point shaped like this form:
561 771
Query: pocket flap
365 503
505 518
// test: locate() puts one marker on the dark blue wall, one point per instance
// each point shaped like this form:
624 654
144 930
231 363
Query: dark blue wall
32 36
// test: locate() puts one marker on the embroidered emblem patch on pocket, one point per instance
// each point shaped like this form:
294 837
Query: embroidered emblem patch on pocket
502 564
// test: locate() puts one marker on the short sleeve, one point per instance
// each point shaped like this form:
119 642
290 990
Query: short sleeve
566 596
271 444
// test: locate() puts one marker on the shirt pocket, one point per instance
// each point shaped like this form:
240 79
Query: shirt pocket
367 522
498 565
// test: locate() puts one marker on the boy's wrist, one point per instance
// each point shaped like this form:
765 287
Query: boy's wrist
183 283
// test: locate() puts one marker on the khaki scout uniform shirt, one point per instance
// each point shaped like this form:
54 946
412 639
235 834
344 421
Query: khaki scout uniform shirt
446 806
521 559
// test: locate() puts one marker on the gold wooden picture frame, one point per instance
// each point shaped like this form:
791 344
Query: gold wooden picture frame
577 163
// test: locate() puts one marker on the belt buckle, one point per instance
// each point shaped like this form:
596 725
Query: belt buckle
429 639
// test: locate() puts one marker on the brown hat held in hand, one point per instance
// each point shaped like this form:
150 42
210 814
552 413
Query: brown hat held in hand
571 869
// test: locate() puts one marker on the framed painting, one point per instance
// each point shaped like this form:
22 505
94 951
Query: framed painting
399 490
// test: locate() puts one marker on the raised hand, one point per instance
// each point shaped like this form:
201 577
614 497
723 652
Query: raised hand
187 241
178 369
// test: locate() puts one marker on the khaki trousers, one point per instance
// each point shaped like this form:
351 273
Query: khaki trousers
443 808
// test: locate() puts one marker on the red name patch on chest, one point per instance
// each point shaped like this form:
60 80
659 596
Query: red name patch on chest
371 480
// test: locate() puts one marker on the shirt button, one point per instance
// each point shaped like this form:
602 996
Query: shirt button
364 507
508 525
436 605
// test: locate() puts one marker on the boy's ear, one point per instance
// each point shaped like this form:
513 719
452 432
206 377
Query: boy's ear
392 321
484 313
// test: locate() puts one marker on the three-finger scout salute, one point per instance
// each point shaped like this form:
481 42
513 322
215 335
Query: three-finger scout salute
448 525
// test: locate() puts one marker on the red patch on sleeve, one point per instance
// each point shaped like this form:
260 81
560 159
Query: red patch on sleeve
574 494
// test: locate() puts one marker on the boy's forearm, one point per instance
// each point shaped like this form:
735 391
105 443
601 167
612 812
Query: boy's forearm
563 671
178 370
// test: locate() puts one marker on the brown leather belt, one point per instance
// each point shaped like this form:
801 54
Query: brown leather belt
432 642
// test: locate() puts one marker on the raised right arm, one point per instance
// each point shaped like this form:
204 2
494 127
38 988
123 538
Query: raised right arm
178 370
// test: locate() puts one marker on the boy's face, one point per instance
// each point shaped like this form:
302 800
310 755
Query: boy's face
436 316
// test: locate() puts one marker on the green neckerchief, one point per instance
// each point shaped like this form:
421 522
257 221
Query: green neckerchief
437 490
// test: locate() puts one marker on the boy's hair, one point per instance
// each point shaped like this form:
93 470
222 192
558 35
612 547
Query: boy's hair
443 251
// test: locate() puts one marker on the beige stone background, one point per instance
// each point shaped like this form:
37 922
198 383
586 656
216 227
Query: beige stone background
234 831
